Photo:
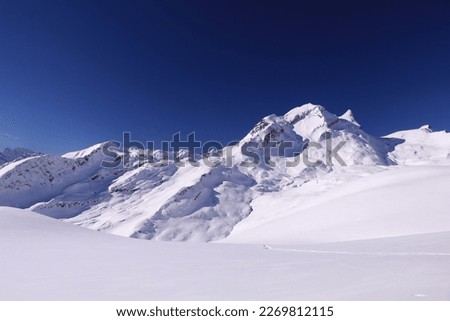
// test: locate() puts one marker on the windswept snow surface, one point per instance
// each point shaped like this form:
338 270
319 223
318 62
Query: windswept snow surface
44 259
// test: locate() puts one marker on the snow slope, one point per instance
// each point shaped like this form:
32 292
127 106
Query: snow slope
420 146
395 201
44 259
28 181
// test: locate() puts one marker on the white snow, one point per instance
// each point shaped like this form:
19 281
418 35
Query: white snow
420 146
376 227
10 166
393 202
348 116
84 152
167 202
43 259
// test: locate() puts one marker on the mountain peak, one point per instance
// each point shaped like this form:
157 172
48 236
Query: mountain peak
300 112
310 120
84 152
426 127
348 116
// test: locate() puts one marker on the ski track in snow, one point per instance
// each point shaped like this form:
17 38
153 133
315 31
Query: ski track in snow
267 247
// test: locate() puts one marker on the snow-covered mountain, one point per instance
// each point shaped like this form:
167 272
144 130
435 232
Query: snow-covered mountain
12 154
235 200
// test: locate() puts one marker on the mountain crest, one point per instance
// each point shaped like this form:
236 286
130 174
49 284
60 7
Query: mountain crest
309 111
348 116
426 128
310 121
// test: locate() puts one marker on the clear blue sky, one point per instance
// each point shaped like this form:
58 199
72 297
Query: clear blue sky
74 73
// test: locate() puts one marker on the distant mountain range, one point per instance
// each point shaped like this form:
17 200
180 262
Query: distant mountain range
10 154
392 185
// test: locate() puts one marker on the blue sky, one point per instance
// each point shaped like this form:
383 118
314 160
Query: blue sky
74 73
